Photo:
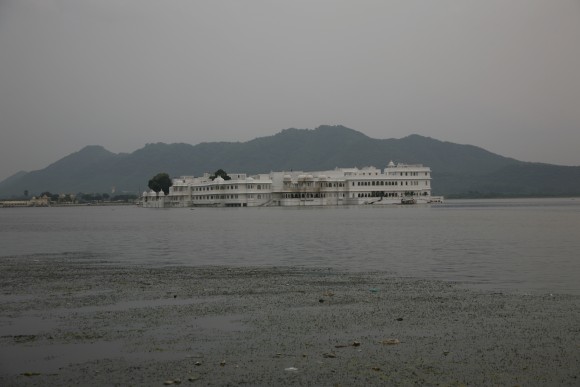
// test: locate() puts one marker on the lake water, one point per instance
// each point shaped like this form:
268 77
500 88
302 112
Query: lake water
516 245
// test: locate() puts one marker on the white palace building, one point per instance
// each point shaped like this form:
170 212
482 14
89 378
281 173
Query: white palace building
396 184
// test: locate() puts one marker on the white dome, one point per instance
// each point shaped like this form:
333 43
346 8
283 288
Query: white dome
287 177
218 179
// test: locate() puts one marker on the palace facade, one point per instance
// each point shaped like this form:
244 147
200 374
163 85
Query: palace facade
396 184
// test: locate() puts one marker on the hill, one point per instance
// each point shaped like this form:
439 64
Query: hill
458 170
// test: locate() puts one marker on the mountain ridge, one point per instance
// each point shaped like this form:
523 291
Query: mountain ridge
457 169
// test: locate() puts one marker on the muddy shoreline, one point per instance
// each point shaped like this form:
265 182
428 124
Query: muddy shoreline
77 320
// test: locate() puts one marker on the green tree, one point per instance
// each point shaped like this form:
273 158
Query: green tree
160 182
221 173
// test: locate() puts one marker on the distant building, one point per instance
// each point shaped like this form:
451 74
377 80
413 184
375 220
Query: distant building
396 184
34 202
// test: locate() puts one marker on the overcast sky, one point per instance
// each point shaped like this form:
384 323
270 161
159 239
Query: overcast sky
502 75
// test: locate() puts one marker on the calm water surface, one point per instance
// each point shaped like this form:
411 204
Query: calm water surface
523 245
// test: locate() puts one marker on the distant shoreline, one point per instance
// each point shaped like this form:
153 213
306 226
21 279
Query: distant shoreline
6 204
499 196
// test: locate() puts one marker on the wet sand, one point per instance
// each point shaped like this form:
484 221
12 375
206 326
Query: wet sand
75 320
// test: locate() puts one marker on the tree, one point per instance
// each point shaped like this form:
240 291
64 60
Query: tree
154 186
221 173
160 182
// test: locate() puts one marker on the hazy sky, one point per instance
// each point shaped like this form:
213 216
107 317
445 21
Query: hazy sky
503 75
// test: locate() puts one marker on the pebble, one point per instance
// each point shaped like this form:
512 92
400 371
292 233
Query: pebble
30 374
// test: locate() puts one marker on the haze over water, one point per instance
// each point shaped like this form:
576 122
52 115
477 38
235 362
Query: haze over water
521 246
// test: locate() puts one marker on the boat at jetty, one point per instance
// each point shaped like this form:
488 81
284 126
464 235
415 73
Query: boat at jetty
396 184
